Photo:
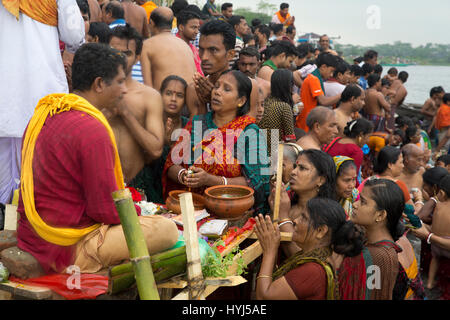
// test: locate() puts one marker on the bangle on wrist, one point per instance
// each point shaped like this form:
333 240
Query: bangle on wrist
284 220
419 202
179 175
288 221
263 276
434 199
429 238
225 182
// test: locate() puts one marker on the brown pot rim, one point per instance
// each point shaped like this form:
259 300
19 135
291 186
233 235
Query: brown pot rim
252 192
194 196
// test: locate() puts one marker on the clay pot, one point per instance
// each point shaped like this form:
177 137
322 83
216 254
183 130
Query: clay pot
173 201
229 201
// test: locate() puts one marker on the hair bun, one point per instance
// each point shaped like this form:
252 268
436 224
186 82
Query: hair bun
348 239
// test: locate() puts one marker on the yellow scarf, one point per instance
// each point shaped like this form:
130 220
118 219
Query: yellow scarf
51 105
44 11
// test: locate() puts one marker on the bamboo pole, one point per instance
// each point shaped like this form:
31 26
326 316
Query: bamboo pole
137 246
276 209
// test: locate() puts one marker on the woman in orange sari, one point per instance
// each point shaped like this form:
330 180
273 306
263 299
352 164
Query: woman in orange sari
223 146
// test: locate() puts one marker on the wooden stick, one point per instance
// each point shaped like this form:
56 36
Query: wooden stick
137 246
276 209
285 236
194 268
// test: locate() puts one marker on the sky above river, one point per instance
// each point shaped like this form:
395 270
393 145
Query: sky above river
369 22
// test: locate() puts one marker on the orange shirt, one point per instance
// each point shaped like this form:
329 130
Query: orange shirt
311 89
443 117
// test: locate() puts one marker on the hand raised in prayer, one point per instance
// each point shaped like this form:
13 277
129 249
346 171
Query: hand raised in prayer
285 201
198 179
268 234
168 131
203 87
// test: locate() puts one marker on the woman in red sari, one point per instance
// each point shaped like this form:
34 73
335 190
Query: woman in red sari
223 146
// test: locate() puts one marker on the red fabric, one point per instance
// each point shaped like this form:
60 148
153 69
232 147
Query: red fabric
234 232
349 150
197 60
308 281
91 285
135 195
73 170
352 278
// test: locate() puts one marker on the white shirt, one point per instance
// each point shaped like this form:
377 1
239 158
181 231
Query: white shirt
333 88
31 65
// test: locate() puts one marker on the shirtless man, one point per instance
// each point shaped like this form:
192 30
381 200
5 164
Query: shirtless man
432 104
138 122
137 17
376 107
163 54
324 43
399 97
413 169
95 11
323 128
282 54
217 42
352 100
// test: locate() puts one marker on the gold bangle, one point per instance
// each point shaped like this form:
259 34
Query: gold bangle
284 220
263 276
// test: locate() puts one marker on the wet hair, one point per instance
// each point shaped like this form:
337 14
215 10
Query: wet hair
341 67
184 16
84 7
432 176
444 184
318 115
403 76
359 126
178 6
446 98
351 91
387 155
444 159
244 87
116 10
223 28
94 60
100 30
436 90
327 59
346 238
278 47
409 133
160 20
250 52
170 78
389 197
367 69
325 167
392 71
281 83
373 79
370 54
129 33
356 70
385 82
226 5
378 69
284 6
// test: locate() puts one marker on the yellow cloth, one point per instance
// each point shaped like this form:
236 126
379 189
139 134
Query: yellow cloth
48 106
44 11
149 6
411 272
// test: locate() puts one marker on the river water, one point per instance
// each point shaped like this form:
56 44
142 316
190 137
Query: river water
421 79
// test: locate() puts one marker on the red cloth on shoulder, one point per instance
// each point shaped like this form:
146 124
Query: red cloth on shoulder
308 281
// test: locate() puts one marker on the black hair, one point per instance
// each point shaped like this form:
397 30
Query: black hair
325 167
278 47
160 20
244 86
358 59
385 82
327 59
303 50
197 10
432 176
167 80
276 27
248 37
370 54
351 91
281 83
226 5
83 5
129 33
436 90
359 126
388 196
290 29
265 30
378 69
366 69
256 22
444 184
284 6
403 76
444 158
178 6
373 79
116 10
235 20
100 30
402 121
387 155
223 28
398 132
184 16
446 98
409 133
356 70
250 52
393 71
346 238
341 67
93 60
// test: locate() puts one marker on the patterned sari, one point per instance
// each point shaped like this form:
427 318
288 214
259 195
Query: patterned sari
214 150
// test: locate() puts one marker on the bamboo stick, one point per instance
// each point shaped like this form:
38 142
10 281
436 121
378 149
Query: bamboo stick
276 209
137 246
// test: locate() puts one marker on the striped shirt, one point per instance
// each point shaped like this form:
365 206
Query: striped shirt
136 72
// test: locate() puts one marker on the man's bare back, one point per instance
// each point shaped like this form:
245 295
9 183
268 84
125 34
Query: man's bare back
375 103
164 55
307 142
441 219
137 17
145 105
265 73
342 120
95 11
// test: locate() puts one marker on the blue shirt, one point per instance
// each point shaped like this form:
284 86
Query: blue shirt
363 82
136 72
118 22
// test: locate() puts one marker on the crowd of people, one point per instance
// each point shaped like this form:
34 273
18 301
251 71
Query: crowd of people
128 93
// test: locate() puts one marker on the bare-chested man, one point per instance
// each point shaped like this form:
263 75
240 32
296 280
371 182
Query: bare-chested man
136 16
95 11
281 55
352 100
163 54
432 104
138 123
324 43
399 97
322 128
413 169
376 107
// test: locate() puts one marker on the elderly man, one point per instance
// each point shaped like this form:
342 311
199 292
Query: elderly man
323 128
413 169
